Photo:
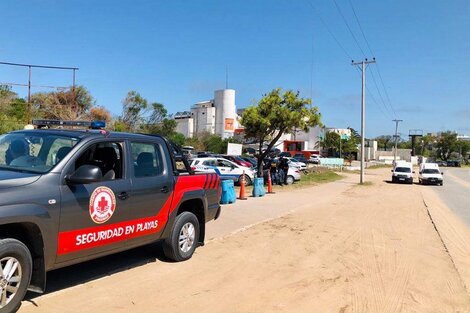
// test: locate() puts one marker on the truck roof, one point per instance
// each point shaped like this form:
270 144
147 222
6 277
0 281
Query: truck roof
82 133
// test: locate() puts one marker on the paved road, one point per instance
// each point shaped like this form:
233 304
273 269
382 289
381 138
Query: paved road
456 191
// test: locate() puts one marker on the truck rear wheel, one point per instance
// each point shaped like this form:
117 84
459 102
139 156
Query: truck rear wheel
182 242
15 274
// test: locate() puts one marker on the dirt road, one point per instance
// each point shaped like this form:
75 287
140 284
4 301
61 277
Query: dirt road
366 249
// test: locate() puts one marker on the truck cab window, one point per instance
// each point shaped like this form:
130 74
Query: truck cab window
147 159
107 156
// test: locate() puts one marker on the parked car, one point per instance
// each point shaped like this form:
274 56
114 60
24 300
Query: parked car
69 196
293 175
285 154
429 173
315 159
297 163
226 169
252 161
238 160
301 158
402 172
453 163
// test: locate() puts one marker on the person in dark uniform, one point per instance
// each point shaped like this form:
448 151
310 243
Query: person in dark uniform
284 168
274 172
16 149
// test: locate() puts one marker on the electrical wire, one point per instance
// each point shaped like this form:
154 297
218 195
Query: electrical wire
372 53
330 32
349 28
344 49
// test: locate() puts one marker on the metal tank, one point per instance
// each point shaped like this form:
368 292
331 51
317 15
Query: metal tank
226 112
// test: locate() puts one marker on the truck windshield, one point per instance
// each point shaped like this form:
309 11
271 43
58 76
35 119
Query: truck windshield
33 152
403 170
431 171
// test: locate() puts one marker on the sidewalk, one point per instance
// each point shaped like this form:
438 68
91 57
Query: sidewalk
246 213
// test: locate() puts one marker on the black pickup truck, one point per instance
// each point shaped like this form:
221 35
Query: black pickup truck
68 196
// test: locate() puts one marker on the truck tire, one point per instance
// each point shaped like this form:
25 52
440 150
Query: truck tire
15 276
182 242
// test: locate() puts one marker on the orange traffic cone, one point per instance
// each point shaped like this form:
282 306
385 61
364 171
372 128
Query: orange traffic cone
270 183
242 188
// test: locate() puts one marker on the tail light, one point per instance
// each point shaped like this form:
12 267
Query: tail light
193 168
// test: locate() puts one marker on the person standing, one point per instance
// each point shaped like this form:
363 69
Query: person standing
274 172
284 167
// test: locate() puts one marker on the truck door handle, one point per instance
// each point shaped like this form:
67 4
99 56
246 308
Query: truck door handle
123 195
164 189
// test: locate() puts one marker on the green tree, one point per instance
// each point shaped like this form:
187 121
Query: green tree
178 138
134 107
330 142
12 110
165 128
63 105
463 147
383 141
275 114
349 147
446 144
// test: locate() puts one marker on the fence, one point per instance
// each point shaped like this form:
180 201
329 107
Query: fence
336 163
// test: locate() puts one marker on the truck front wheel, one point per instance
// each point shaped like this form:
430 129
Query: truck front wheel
15 274
182 242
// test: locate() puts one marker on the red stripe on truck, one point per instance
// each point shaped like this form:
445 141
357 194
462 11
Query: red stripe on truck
100 235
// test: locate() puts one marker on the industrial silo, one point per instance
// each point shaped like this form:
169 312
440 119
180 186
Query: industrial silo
226 113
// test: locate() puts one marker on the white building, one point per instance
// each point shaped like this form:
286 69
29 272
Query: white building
217 116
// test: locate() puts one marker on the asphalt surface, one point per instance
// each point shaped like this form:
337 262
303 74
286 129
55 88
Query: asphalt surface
456 191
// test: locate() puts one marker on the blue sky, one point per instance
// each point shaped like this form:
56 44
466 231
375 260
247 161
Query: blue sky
176 52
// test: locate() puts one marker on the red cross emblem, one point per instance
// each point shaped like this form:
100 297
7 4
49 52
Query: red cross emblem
102 205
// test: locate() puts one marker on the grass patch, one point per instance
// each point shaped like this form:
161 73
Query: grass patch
376 166
318 177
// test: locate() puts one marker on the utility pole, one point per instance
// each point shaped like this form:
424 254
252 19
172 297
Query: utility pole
363 65
396 140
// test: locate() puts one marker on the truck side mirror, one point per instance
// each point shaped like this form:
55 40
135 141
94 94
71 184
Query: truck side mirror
442 173
85 174
413 172
391 171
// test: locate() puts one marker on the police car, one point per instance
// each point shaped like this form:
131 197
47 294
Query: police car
68 196
224 168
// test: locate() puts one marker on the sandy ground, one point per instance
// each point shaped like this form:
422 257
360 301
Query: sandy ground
347 248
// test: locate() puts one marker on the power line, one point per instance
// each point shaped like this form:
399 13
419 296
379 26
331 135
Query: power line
378 91
372 53
330 32
349 28
347 53
360 27
359 46
38 86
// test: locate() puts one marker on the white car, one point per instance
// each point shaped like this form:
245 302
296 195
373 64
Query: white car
296 163
402 172
293 174
429 173
315 159
224 168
